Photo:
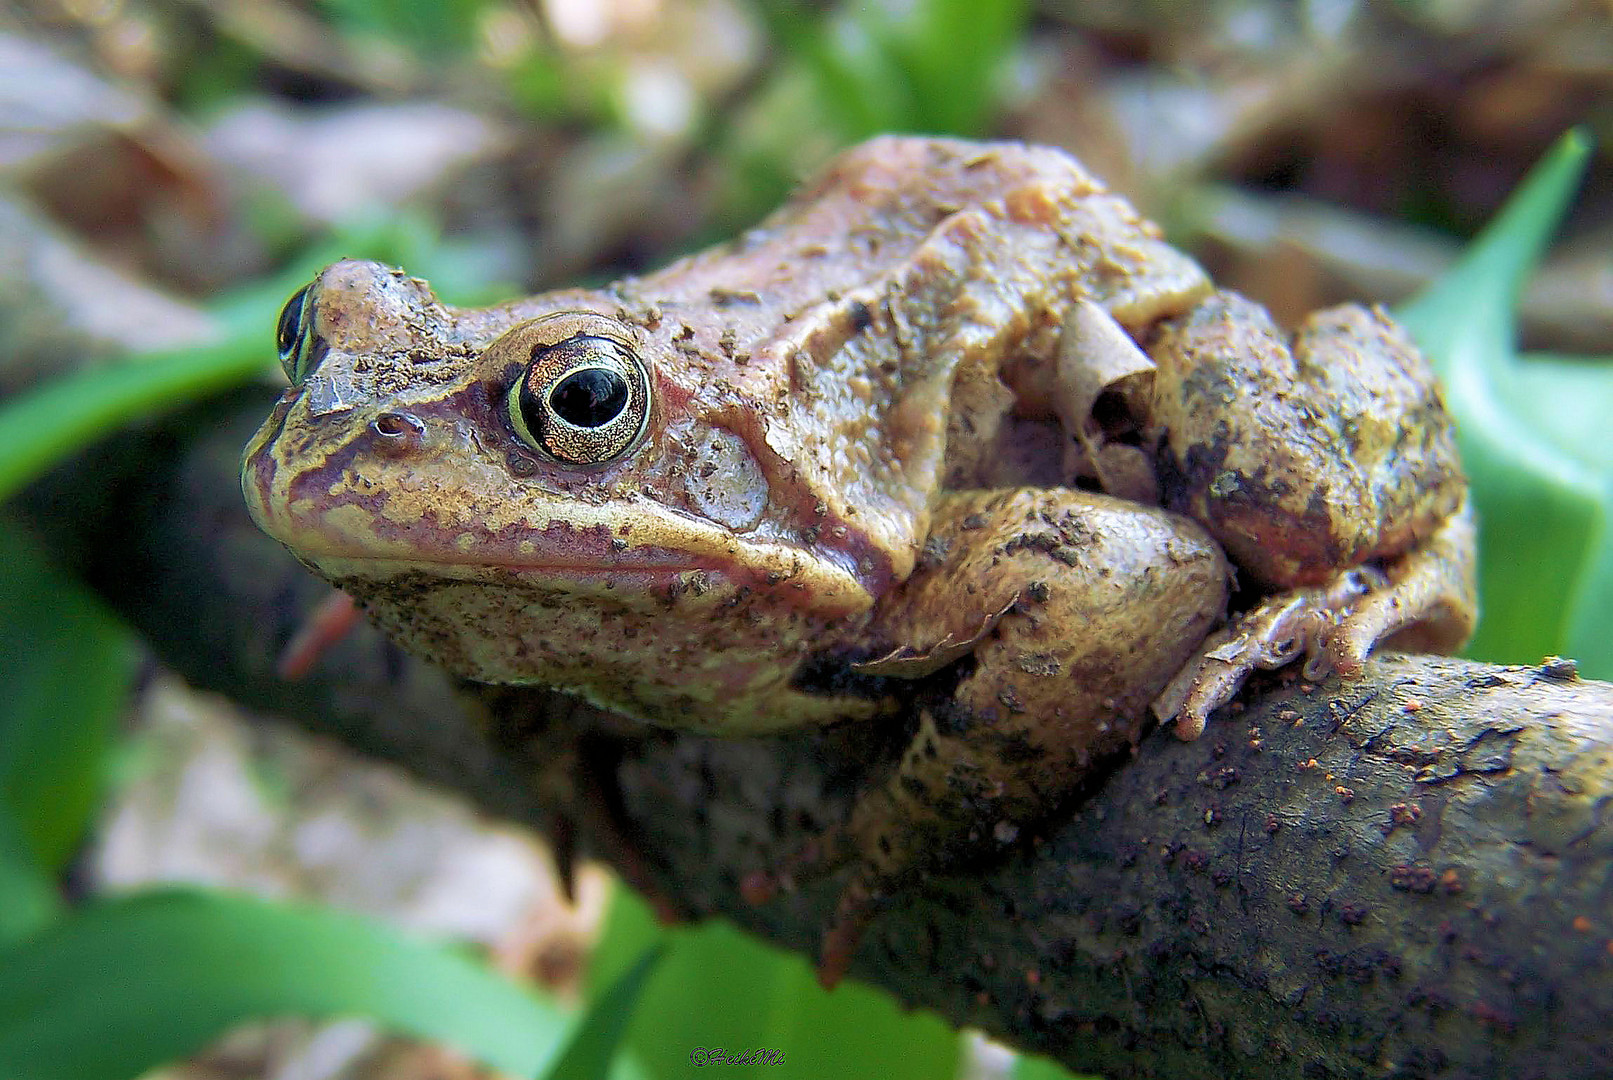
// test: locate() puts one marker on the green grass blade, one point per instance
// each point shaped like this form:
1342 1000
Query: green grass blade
1567 402
44 425
599 1036
1472 305
68 668
1590 618
1541 511
40 427
130 984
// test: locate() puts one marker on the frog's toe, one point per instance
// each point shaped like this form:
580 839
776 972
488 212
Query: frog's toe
859 902
816 859
1271 636
1426 603
1421 601
318 634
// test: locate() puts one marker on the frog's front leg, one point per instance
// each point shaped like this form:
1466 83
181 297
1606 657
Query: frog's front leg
1326 466
1038 627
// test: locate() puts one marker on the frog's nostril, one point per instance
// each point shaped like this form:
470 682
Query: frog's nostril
399 431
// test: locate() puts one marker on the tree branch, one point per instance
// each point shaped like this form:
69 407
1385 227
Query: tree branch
1401 875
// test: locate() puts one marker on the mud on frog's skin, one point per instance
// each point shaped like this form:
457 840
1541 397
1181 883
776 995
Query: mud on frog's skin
952 440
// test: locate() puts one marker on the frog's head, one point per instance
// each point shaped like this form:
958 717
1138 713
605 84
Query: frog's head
552 491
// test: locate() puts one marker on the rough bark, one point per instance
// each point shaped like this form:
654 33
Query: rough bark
1402 875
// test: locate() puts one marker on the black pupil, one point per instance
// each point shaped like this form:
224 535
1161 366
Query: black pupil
290 322
590 397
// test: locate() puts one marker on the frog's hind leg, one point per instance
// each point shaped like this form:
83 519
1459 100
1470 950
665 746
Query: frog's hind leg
1326 465
1037 629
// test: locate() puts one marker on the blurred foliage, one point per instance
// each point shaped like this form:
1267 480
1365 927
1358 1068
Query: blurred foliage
930 65
428 29
1533 436
69 668
851 71
719 990
127 984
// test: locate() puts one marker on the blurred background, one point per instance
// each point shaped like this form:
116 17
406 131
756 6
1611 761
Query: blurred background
1307 151
170 170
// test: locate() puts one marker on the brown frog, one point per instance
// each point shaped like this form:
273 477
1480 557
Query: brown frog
952 440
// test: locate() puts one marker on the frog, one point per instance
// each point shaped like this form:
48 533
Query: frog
953 441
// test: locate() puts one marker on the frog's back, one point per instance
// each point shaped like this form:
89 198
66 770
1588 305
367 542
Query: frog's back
875 206
911 267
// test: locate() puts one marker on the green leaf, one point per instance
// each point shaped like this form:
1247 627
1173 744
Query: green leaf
953 53
927 65
69 666
593 1047
28 899
42 426
854 1030
719 990
1567 402
130 984
1590 622
1543 506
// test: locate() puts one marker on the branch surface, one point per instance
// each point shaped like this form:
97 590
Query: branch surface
1406 874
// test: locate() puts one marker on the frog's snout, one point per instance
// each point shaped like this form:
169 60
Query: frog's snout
257 469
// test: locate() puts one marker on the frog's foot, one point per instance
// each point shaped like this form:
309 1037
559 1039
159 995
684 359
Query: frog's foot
1273 635
1421 601
859 902
893 830
624 856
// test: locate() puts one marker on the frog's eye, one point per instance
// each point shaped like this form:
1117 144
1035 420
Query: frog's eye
583 401
292 339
